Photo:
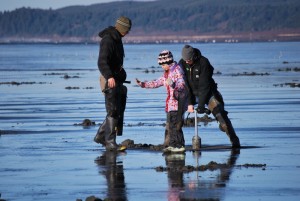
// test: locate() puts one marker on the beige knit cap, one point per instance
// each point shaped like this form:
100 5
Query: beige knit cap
123 25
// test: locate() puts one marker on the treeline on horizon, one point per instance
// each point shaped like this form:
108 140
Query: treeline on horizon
155 17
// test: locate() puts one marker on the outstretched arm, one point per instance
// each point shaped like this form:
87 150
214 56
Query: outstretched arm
151 84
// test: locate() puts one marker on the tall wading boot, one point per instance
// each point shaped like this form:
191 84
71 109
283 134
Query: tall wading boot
110 134
224 123
100 136
121 109
167 136
120 125
226 126
167 131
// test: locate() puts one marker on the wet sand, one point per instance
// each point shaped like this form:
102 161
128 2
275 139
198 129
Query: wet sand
65 163
68 166
46 154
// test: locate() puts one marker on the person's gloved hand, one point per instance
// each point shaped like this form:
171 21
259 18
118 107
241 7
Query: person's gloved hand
200 109
141 84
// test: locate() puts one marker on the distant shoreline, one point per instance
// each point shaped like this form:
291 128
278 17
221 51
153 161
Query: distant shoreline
166 38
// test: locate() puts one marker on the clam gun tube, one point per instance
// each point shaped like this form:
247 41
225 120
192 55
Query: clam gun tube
196 140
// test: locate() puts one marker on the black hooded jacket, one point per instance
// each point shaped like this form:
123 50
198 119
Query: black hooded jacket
111 55
199 79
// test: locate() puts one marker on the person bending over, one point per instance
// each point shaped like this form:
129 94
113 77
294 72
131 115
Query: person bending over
203 88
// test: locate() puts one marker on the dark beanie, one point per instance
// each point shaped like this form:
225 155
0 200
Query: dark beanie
187 52
123 25
165 57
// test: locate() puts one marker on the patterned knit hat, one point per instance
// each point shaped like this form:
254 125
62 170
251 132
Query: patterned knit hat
123 25
165 57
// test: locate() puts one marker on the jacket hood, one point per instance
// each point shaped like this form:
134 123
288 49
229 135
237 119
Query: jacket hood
197 52
111 31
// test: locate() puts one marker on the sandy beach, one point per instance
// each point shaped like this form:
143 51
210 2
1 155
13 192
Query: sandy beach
46 154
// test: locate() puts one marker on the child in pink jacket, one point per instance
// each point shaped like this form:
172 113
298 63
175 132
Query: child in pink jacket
174 81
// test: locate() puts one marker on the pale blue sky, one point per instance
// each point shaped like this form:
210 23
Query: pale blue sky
10 5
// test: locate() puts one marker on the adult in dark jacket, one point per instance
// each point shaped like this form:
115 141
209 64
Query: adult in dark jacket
110 64
203 88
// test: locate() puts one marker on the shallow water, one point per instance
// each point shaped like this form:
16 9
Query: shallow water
44 156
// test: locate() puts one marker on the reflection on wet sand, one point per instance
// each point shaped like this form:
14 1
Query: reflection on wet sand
200 188
203 187
175 177
114 173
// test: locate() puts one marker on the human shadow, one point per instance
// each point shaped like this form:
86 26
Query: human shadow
204 186
114 174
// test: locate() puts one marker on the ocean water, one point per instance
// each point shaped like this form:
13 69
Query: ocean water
46 155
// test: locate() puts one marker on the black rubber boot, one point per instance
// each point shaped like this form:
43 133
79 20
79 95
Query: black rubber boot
217 108
100 136
110 134
167 136
120 125
226 126
121 108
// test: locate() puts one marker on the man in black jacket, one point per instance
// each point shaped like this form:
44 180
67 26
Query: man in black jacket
203 88
113 75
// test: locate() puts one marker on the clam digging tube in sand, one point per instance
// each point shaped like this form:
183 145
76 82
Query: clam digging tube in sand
196 140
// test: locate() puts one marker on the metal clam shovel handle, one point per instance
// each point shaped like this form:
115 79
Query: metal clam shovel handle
196 140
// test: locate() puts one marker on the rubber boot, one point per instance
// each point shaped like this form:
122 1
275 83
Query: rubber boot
167 131
120 126
167 136
110 133
224 123
100 136
121 108
226 126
